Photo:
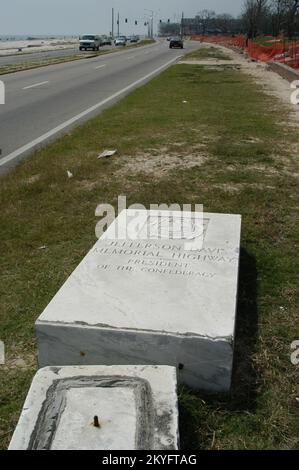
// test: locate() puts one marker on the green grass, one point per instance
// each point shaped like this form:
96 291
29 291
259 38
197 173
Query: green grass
207 52
223 149
33 64
268 40
143 42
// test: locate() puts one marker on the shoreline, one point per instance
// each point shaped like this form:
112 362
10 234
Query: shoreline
30 46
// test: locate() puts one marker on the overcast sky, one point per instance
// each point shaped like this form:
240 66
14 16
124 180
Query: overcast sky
94 16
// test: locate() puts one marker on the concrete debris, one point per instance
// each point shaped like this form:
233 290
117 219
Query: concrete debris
107 153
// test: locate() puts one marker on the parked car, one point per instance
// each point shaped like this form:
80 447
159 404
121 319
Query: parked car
120 41
90 41
176 42
106 41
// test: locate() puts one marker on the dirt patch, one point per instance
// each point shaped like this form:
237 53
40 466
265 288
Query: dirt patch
33 179
265 170
272 83
214 67
288 164
209 62
178 144
251 140
24 361
238 187
87 185
213 64
285 168
159 164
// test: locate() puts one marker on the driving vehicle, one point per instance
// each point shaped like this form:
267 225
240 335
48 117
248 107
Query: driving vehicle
176 42
133 39
106 41
90 41
120 41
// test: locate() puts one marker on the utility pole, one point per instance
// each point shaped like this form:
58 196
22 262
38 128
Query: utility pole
182 25
151 23
152 35
118 24
112 30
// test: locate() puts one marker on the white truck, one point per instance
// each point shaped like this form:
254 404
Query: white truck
90 41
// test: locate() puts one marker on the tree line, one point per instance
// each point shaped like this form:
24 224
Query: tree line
258 17
271 17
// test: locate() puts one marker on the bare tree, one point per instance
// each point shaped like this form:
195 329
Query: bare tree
277 10
254 12
224 22
285 16
291 16
205 17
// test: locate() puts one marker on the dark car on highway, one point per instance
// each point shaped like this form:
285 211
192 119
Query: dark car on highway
176 42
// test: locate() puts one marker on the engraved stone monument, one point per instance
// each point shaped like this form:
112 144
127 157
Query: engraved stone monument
164 300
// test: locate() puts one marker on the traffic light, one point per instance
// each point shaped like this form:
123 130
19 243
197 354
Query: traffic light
126 20
136 23
168 21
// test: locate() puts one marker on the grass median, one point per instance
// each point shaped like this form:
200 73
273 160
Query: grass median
33 64
191 135
207 52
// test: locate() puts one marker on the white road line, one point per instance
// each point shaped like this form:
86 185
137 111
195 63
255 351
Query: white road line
100 66
35 85
131 57
71 121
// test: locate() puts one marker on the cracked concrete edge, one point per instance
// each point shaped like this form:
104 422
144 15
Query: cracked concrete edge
99 326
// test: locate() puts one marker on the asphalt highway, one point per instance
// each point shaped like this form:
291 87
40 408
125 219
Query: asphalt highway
42 103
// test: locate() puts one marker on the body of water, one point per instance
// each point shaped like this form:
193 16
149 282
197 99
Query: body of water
16 37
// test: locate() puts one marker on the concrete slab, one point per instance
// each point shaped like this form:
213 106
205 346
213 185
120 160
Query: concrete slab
150 302
284 71
100 408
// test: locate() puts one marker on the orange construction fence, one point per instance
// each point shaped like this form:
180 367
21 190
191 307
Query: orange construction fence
280 50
